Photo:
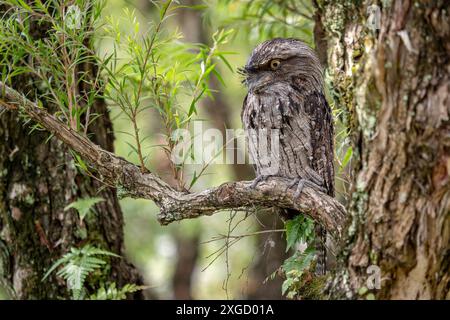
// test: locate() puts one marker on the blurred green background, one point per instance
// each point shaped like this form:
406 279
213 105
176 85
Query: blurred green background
178 261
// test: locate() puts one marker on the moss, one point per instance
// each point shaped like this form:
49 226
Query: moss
340 287
313 289
26 163
6 290
81 233
121 192
360 202
370 296
373 257
386 3
4 173
99 277
363 290
29 199
365 294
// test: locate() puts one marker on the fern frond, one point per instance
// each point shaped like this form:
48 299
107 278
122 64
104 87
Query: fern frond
77 265
112 293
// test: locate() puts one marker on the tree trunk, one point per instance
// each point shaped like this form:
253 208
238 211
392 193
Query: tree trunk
187 253
393 79
37 181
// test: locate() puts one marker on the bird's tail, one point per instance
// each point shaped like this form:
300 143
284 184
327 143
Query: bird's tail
321 253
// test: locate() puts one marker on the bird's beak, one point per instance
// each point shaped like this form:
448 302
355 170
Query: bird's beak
250 69
257 81
253 79
248 74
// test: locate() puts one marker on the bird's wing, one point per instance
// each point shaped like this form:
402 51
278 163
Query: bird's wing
322 137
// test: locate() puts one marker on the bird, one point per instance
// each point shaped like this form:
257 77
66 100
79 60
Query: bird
289 122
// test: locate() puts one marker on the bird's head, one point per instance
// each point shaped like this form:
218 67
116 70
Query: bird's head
278 62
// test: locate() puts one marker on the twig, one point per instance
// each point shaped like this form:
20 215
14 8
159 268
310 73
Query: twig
240 236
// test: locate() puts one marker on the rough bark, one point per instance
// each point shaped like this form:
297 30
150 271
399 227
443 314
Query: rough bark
37 181
394 82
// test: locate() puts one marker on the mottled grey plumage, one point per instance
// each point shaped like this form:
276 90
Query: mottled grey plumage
284 79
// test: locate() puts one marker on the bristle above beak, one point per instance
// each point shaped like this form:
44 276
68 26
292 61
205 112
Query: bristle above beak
242 71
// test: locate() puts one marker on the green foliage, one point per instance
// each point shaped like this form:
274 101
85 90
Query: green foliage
364 293
347 157
153 70
298 229
295 268
137 74
111 292
269 19
54 58
77 265
298 268
83 206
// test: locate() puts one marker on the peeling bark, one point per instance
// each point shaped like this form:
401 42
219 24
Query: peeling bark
395 83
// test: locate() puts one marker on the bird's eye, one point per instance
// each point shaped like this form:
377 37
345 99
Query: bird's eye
274 64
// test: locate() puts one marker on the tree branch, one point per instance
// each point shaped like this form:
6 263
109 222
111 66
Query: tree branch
175 205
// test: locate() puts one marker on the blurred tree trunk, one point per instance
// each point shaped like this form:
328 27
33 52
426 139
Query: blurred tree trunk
390 69
271 253
187 254
271 248
37 181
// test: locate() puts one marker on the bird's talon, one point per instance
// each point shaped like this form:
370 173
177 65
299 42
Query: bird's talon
300 186
294 183
301 183
254 184
257 180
